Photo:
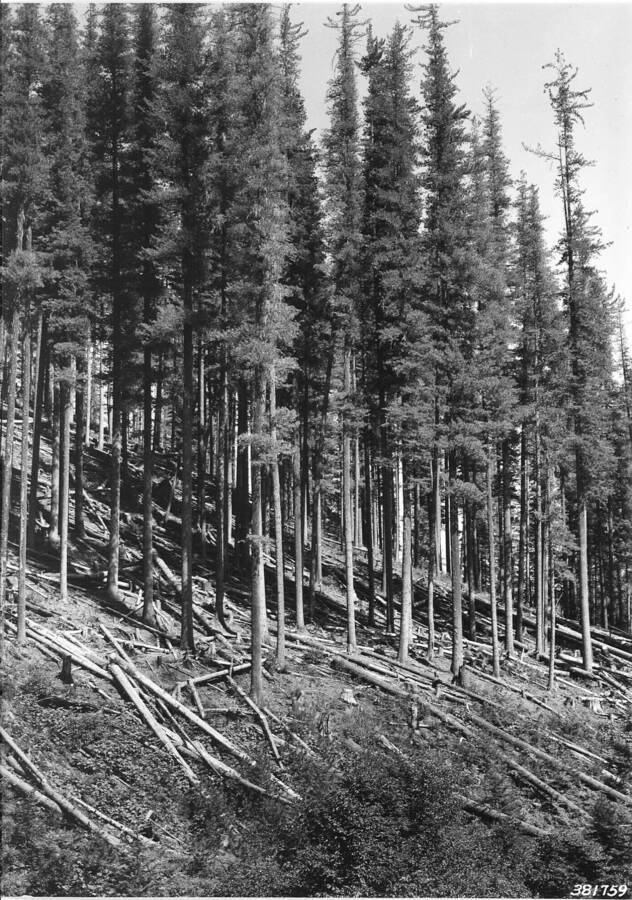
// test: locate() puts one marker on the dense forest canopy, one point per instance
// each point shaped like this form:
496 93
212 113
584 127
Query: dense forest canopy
366 338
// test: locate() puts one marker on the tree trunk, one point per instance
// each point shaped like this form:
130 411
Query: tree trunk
201 446
64 486
257 613
406 617
242 506
88 420
455 571
157 432
523 544
298 535
433 502
492 565
53 533
584 604
469 562
221 520
368 528
24 467
187 640
507 549
149 614
42 368
278 530
80 427
115 495
551 580
348 510
539 574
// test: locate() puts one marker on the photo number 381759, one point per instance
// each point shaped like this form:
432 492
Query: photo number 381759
600 890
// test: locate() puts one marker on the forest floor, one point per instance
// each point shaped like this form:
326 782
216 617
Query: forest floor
359 776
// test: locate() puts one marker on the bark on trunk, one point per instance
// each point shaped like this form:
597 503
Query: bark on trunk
508 549
492 565
348 511
149 614
257 613
24 467
368 528
64 487
455 571
278 531
42 367
406 619
298 537
80 427
53 533
187 640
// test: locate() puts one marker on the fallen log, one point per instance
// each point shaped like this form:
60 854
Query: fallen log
486 812
338 662
292 735
192 717
258 713
46 788
132 694
110 637
589 780
196 699
63 648
220 674
28 790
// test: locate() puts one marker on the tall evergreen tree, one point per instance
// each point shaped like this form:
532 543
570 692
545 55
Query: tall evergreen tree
579 246
184 155
343 177
24 173
447 298
390 304
145 222
109 122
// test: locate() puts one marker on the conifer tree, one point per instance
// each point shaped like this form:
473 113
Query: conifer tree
447 299
109 123
68 244
183 160
579 246
342 169
390 256
145 221
24 172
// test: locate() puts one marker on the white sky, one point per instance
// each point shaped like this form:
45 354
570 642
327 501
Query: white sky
506 45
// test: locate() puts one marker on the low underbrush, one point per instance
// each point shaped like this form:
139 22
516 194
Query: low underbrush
370 822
